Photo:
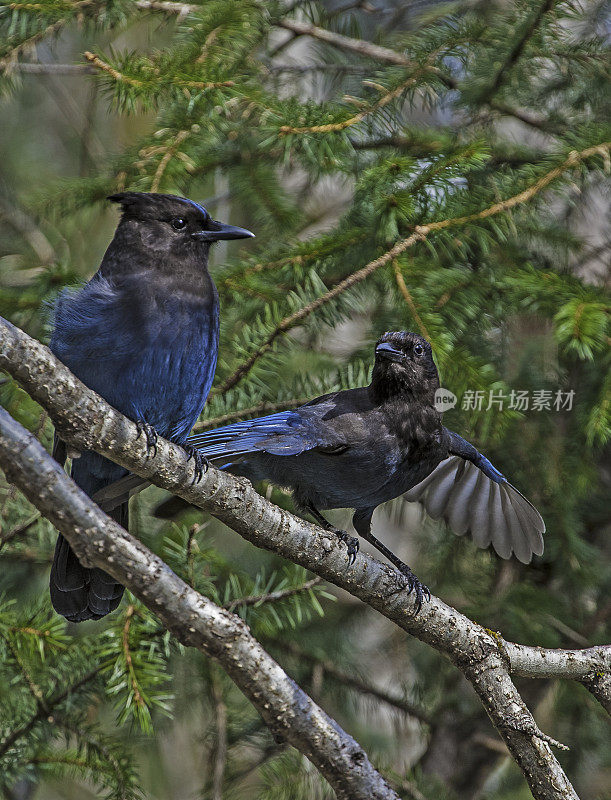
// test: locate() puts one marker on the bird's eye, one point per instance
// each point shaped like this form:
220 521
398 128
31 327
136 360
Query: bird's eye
418 349
178 223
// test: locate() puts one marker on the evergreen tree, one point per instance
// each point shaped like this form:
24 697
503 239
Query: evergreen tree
438 167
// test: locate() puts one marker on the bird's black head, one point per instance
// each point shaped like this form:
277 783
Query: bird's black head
404 367
171 225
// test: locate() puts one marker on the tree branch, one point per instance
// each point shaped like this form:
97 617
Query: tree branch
44 710
181 9
420 234
516 50
345 679
271 597
10 57
360 46
194 619
385 54
220 756
541 662
383 101
120 77
85 421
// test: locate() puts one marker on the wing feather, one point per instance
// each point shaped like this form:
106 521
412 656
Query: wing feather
475 498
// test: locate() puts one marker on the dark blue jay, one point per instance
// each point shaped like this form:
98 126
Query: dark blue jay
143 333
361 447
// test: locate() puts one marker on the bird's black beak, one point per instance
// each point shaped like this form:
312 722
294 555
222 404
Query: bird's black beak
387 351
218 230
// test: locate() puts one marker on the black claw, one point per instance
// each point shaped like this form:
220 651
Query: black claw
421 592
150 434
201 462
353 548
351 542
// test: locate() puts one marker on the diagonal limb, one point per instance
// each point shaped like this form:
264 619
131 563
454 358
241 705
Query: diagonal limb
362 524
351 542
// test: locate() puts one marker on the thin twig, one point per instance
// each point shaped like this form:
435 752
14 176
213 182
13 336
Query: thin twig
64 70
170 151
303 258
516 51
410 788
420 234
26 226
10 59
120 77
354 120
345 679
360 46
35 690
409 299
20 529
385 54
271 597
84 735
306 69
181 9
42 713
129 613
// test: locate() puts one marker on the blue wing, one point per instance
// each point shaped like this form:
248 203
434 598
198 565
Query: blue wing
286 433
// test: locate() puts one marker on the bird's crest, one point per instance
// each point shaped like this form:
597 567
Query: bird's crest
151 204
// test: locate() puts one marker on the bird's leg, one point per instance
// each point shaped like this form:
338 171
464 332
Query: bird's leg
201 462
362 523
351 542
150 434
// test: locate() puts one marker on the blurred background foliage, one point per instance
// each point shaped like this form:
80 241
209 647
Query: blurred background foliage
331 130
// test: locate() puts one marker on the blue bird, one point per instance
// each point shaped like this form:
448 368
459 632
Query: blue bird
143 333
362 447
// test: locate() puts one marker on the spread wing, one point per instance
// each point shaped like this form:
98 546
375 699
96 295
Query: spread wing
477 499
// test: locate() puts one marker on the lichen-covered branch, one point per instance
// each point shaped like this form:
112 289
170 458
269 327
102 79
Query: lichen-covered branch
85 421
195 620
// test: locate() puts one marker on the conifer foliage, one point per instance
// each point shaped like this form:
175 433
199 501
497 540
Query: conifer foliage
438 167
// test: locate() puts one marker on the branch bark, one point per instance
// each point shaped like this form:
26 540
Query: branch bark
195 620
86 421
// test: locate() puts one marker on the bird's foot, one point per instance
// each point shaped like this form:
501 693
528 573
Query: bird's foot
351 542
150 434
421 592
201 462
